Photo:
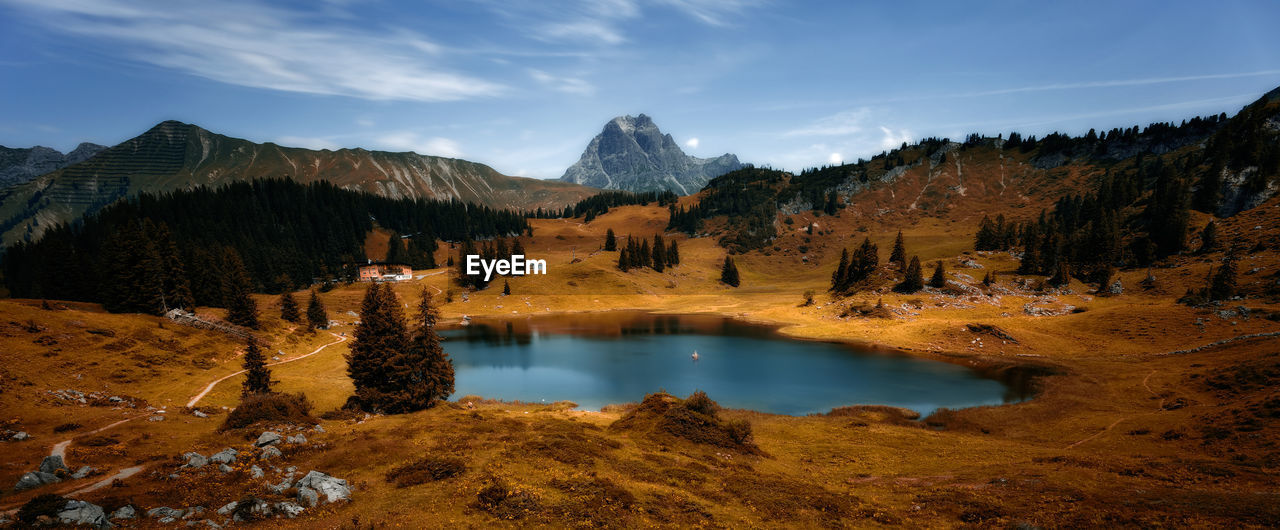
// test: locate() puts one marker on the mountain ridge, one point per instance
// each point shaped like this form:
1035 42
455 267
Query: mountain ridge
633 154
21 164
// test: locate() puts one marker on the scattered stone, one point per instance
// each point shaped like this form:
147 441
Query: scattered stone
115 399
256 472
334 489
83 472
317 428
52 463
258 508
228 508
288 509
199 414
77 513
35 479
1116 287
23 436
296 439
225 456
224 468
308 497
206 522
165 514
156 418
269 452
268 438
125 512
285 483
195 460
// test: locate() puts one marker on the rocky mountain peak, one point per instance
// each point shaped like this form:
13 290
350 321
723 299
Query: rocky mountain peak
633 154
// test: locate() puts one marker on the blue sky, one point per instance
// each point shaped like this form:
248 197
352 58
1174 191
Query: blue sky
523 86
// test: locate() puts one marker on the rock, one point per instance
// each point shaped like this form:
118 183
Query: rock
224 468
632 154
195 460
1116 287
269 452
308 497
35 479
199 414
125 512
285 483
296 439
52 463
83 472
192 512
258 508
228 508
165 514
334 489
317 428
288 509
225 456
268 438
256 472
77 513
156 418
23 436
205 522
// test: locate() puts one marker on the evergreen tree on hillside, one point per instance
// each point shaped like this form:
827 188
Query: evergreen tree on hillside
865 262
421 374
913 279
841 272
242 310
176 286
1061 275
317 316
673 254
899 254
989 279
939 278
289 308
380 337
987 237
1208 237
1223 284
610 241
395 249
624 260
506 287
517 248
645 256
257 377
659 253
729 273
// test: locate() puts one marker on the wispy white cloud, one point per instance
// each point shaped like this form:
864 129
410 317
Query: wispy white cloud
892 138
839 124
712 12
692 143
423 145
568 85
582 30
248 43
1116 83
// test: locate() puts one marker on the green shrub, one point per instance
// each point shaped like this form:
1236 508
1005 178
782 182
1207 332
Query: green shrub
47 504
272 408
428 469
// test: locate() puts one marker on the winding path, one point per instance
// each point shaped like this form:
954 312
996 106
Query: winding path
60 448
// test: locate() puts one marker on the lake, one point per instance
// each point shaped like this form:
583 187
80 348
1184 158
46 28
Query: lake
618 357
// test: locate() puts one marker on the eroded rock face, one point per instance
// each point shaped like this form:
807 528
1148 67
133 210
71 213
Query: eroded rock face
632 154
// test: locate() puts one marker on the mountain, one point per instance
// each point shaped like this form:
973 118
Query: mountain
632 154
174 155
19 165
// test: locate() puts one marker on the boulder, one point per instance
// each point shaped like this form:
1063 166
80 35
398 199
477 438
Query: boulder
165 514
224 468
199 414
333 489
228 508
23 436
269 452
296 439
317 428
308 497
195 460
288 509
125 512
81 513
268 438
1116 287
35 479
205 522
52 463
256 472
83 472
225 456
258 508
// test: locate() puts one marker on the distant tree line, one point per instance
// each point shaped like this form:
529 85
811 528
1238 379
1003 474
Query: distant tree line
210 246
638 254
498 248
600 203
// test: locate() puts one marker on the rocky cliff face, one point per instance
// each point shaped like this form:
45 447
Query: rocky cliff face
174 155
23 164
632 154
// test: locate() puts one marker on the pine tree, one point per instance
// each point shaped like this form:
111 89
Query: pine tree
610 241
989 279
899 254
242 310
380 337
1062 275
659 253
506 287
317 317
673 254
987 238
645 256
865 262
624 260
1208 237
939 278
913 278
395 249
289 308
841 272
517 249
421 374
729 273
257 377
1223 285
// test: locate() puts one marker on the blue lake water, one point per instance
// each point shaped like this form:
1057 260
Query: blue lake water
618 357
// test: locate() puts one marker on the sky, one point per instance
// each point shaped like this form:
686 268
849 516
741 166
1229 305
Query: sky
524 85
